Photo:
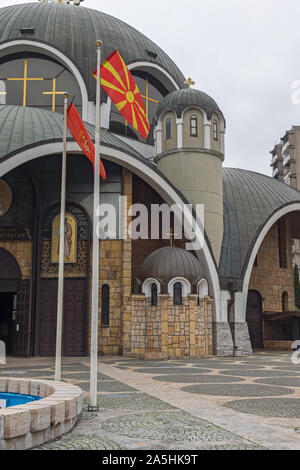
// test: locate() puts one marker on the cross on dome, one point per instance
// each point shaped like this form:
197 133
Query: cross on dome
65 2
189 82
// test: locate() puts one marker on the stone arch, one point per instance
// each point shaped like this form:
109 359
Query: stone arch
9 267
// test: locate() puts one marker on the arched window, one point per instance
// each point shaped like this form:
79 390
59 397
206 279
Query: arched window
177 293
202 289
168 128
215 130
285 302
105 305
193 126
154 295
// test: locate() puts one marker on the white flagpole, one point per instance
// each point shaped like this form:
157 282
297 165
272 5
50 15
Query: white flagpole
60 295
95 271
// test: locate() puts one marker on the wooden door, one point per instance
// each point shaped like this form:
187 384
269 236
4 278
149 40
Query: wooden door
22 319
254 319
74 317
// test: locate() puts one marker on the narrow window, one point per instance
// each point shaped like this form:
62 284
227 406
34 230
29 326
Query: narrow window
285 302
105 305
177 293
193 126
154 295
282 247
168 129
215 130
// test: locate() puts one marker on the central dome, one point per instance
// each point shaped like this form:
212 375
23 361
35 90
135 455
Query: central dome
74 30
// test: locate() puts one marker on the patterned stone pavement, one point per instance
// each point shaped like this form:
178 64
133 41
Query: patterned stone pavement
214 403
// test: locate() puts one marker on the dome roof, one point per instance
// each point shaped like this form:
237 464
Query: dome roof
170 262
250 199
23 128
74 30
179 100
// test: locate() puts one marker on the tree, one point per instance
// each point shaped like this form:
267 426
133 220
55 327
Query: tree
297 286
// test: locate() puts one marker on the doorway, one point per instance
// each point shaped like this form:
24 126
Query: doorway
7 320
254 319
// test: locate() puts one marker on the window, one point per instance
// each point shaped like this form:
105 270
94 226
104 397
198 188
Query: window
215 130
285 302
105 305
282 248
168 128
177 294
154 295
193 126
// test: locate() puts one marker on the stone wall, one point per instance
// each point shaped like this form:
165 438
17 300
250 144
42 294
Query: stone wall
169 331
268 278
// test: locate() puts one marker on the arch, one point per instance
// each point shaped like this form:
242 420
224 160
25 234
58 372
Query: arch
202 288
154 294
253 253
177 293
50 51
147 284
254 319
186 286
150 175
10 268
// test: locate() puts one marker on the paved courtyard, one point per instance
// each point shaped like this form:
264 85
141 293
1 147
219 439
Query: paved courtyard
212 403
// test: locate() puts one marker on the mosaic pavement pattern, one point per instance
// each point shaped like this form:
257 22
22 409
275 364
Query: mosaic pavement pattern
130 419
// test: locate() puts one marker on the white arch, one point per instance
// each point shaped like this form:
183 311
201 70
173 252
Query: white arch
202 288
147 284
18 46
186 286
241 297
144 171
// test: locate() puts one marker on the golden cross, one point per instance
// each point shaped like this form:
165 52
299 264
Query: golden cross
148 99
25 79
189 82
53 93
172 236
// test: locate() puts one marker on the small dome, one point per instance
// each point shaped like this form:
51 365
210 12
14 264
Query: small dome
179 100
167 263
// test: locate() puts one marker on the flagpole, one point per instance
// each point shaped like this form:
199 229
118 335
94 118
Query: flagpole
95 270
60 295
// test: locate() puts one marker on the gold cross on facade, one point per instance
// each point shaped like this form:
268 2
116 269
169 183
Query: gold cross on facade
148 99
189 82
25 79
172 236
53 93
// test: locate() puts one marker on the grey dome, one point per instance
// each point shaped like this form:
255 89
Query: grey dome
74 30
179 100
169 262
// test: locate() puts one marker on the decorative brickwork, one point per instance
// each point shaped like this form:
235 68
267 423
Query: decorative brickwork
168 331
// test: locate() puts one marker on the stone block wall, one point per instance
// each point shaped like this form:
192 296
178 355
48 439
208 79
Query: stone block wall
169 331
268 278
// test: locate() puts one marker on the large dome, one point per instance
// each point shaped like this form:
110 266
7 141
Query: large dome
74 30
170 262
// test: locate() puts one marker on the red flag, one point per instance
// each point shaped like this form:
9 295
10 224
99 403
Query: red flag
120 86
82 137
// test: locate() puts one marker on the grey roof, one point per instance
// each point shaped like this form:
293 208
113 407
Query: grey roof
250 199
179 100
169 262
21 128
74 31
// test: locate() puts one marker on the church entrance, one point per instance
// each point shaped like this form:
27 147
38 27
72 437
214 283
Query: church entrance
7 320
254 319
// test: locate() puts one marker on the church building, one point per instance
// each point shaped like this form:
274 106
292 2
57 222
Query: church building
157 298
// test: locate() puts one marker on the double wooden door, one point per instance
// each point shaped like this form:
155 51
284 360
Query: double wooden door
74 317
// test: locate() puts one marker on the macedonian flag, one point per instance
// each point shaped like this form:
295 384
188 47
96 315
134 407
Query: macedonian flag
120 86
82 137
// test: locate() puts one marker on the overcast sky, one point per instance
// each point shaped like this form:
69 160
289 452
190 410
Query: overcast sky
244 53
